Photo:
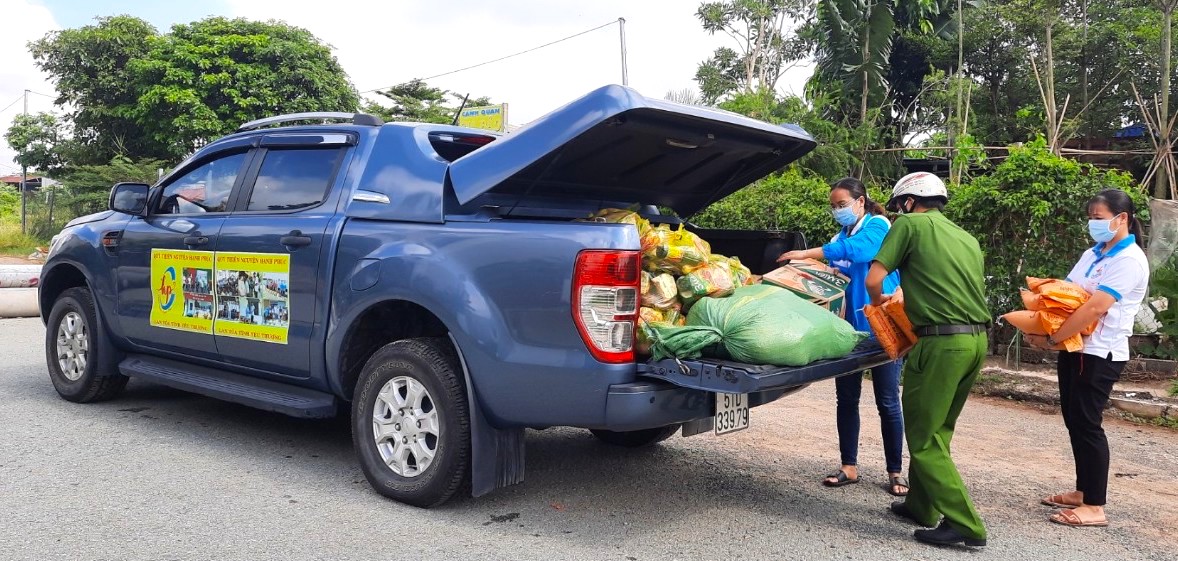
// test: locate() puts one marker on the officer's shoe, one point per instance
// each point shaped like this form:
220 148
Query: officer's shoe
900 509
944 535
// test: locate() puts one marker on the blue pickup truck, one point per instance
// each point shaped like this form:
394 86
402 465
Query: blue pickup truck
437 283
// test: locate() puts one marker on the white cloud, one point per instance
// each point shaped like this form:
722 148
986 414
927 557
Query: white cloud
385 43
24 21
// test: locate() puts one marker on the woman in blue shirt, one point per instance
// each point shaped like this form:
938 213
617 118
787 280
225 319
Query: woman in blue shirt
851 252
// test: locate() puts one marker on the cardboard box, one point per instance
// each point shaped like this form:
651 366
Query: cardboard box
813 281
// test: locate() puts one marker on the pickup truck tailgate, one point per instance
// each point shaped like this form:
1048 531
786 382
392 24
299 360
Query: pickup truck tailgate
724 376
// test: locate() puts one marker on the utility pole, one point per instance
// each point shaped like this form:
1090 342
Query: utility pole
622 32
24 180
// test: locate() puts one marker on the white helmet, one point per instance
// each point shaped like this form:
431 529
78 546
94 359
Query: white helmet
919 184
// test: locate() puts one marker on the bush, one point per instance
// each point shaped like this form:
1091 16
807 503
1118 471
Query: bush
1030 217
12 242
790 201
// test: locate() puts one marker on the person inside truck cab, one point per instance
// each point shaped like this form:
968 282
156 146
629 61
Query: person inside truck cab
851 251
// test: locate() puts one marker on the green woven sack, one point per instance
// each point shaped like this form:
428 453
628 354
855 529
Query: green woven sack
759 324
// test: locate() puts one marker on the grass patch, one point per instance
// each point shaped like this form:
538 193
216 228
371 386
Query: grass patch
1174 389
13 242
1165 422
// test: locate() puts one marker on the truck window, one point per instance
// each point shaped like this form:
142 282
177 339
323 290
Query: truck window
204 189
294 179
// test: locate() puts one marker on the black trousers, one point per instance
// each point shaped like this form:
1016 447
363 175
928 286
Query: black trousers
1085 382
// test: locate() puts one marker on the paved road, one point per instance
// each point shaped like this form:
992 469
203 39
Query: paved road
159 474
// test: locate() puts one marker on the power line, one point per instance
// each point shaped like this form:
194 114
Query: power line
14 102
500 58
42 95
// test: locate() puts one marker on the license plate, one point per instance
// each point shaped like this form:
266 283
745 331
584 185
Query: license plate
732 412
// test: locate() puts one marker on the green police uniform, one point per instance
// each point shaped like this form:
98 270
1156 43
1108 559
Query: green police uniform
941 265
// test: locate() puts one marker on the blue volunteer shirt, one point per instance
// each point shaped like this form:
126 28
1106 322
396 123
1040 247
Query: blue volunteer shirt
851 251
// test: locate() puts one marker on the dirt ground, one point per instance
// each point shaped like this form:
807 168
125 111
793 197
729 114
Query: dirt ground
14 260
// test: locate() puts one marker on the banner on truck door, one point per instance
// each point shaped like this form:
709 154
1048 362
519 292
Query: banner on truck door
253 293
243 295
182 284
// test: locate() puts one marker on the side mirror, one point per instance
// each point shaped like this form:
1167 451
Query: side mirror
129 198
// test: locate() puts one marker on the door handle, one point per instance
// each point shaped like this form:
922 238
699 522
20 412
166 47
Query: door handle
295 239
196 240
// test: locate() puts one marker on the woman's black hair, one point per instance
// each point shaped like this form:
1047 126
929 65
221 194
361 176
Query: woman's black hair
857 189
1117 202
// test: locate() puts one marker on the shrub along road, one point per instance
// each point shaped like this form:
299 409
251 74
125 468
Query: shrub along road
160 474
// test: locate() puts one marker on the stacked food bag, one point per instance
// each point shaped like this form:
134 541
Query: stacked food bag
892 327
760 324
679 269
1048 304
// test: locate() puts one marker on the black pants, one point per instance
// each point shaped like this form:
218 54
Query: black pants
1084 385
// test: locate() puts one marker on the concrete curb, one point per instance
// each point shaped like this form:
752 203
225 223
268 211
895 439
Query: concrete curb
19 276
1144 408
19 303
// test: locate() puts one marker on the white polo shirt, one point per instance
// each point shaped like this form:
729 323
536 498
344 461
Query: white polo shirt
1123 273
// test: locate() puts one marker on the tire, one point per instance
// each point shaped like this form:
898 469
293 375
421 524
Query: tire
636 438
406 472
83 365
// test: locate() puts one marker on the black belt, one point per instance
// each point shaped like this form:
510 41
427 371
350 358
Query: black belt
960 329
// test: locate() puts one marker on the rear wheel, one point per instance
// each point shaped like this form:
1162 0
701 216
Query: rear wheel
636 438
82 363
410 423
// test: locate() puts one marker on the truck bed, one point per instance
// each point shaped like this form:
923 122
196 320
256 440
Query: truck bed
725 376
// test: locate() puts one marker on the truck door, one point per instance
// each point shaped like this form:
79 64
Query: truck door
165 260
271 279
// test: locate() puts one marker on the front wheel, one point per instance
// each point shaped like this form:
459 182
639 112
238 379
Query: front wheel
410 422
636 438
82 364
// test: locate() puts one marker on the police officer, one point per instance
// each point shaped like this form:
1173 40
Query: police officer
944 296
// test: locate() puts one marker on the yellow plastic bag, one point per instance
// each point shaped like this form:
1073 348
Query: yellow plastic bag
661 293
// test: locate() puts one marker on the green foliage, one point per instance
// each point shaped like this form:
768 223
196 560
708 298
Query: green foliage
1174 389
90 66
1029 216
417 102
13 242
35 139
85 189
791 201
766 46
149 95
1163 283
204 79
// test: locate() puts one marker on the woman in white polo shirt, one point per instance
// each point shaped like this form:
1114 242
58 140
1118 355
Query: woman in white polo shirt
1115 273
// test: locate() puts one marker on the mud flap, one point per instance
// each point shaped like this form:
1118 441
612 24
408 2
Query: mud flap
496 455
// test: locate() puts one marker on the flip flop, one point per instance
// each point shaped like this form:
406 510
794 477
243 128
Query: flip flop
898 481
1068 517
1056 501
841 479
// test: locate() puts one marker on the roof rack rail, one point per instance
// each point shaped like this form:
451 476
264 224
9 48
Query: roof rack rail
356 118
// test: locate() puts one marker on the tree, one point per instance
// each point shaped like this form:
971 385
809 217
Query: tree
1161 186
35 139
686 96
145 95
418 102
204 79
90 67
764 49
86 188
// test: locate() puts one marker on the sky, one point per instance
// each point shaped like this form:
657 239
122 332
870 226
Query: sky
382 43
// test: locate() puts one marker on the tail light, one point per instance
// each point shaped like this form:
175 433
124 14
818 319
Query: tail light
605 302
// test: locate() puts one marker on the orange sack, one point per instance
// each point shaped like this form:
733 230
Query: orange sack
1026 321
892 328
1031 300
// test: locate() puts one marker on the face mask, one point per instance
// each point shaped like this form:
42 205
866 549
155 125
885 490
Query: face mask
846 216
1101 230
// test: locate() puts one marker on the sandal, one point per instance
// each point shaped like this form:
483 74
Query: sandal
898 480
840 479
1068 517
1057 501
